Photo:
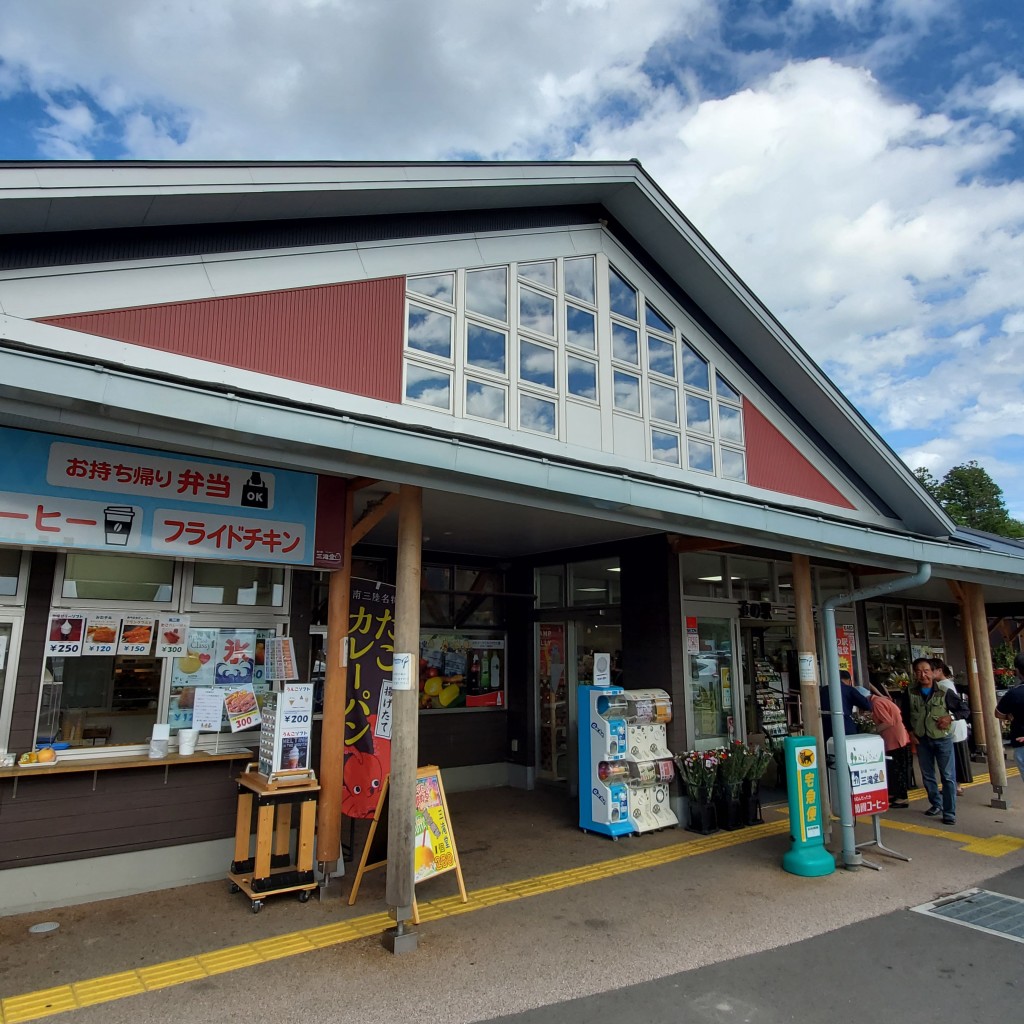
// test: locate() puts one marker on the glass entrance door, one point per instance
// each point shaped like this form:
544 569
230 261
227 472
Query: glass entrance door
565 661
10 642
714 711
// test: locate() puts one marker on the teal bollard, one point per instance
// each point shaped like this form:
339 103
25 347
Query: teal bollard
807 856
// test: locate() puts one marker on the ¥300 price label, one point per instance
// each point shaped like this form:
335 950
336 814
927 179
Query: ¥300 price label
244 721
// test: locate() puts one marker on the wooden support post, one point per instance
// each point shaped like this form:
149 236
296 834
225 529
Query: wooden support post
987 683
973 684
332 737
807 657
399 889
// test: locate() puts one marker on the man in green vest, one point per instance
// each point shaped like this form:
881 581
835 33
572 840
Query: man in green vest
931 712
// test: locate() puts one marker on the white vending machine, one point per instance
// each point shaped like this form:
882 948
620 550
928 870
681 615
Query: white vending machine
650 763
604 773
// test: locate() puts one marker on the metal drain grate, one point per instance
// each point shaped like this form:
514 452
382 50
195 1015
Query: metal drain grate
985 911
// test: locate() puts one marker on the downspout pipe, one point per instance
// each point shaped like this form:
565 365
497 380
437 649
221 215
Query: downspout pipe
851 858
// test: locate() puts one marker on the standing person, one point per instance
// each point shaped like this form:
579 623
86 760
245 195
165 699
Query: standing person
961 755
931 721
852 698
1011 708
894 735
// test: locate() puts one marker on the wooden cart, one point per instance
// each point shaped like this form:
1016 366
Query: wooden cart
272 870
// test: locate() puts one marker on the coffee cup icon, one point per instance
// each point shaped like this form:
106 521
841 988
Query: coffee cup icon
117 524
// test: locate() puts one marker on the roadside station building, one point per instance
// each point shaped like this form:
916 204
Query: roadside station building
615 448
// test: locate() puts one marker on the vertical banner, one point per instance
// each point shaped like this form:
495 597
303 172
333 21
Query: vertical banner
371 640
844 647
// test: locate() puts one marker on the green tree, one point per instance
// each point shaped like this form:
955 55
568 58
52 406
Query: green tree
927 481
970 497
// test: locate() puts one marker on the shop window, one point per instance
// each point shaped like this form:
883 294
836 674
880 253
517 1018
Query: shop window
665 447
625 346
627 392
10 571
580 328
536 312
700 456
725 390
622 295
664 403
440 287
832 582
594 582
458 597
550 586
99 701
661 356
751 579
537 415
485 401
428 387
487 292
698 415
695 369
429 331
536 364
704 575
238 584
101 577
734 465
895 622
579 278
485 348
581 377
730 423
655 321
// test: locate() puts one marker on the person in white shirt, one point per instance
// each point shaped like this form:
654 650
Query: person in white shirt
961 755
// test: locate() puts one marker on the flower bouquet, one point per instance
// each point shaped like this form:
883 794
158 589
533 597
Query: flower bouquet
732 768
898 681
699 771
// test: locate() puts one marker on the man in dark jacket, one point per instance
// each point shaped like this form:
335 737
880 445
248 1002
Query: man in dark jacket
931 711
1011 708
852 698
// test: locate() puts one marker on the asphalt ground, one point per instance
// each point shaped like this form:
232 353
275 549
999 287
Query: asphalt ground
553 916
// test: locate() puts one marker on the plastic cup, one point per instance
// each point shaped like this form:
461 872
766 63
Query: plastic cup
187 740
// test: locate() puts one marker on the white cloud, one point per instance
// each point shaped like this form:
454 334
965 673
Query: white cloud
881 234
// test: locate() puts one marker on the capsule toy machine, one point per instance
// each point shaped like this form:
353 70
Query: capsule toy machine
604 774
650 762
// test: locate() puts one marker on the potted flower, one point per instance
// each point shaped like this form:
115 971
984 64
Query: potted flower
758 760
698 770
732 770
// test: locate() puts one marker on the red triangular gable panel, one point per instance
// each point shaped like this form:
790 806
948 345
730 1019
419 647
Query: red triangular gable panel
774 464
347 337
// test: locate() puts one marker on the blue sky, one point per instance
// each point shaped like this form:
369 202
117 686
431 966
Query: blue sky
858 162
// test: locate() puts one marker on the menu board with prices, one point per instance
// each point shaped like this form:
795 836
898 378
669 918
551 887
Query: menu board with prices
770 699
287 721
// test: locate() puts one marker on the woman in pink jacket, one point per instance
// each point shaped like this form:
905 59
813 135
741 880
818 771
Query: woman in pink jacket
897 747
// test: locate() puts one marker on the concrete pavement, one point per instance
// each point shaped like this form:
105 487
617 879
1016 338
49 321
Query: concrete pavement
553 915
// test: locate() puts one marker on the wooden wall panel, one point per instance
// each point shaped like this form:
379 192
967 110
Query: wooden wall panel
63 818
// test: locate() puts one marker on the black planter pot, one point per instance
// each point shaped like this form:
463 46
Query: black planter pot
751 803
703 818
730 810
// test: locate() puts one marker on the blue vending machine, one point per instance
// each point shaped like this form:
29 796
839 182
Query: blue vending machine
604 772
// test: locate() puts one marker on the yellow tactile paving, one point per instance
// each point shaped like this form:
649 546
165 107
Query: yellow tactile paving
48 1002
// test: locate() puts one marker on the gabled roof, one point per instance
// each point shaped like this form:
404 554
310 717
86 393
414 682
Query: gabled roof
74 197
